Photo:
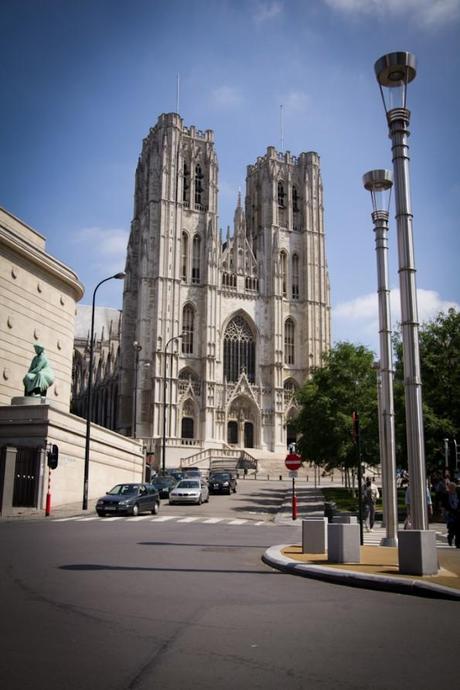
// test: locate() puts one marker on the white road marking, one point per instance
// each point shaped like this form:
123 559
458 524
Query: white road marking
188 519
212 521
164 518
237 522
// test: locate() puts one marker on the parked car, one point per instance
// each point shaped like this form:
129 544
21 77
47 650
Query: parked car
129 499
163 484
222 483
189 491
177 474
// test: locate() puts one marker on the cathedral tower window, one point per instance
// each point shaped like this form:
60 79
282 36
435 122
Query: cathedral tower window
295 199
281 195
184 257
198 185
295 276
289 341
188 322
186 189
283 268
239 350
196 255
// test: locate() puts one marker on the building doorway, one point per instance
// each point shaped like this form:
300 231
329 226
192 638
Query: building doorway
26 474
248 435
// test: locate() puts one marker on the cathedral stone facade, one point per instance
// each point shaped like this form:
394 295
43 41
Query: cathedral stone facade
222 331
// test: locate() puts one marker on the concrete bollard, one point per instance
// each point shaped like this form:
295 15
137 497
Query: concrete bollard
314 535
343 543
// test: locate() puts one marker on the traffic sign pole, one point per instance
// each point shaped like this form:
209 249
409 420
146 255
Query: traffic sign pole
294 500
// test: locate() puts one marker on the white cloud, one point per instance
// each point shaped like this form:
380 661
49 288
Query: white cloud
427 13
226 96
357 320
106 248
265 11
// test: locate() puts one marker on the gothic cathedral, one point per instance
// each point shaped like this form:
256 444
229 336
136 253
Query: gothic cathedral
222 330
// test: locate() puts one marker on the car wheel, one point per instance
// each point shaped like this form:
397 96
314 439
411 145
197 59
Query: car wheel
135 510
156 508
100 513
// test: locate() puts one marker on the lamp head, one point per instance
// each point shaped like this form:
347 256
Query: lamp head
120 275
394 72
379 184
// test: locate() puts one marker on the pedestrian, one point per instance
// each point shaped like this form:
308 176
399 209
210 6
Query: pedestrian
452 511
408 524
370 498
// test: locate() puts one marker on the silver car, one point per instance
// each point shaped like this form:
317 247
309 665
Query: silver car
189 491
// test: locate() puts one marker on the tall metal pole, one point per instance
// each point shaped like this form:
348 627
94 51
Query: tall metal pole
165 357
379 183
398 122
90 391
137 349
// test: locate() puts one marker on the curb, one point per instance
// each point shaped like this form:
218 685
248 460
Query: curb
274 558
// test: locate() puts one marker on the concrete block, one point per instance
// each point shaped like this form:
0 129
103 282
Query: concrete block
345 519
314 535
343 543
417 552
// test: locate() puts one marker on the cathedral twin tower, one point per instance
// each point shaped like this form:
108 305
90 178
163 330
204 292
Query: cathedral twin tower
222 332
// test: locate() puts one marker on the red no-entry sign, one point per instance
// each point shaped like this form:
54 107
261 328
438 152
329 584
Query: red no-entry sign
292 461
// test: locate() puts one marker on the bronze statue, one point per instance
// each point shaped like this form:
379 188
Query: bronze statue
40 375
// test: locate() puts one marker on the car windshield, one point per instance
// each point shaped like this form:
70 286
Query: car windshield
123 489
220 477
188 484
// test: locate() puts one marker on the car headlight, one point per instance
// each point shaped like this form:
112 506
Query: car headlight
225 483
124 503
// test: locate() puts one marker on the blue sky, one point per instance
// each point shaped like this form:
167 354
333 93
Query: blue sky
83 81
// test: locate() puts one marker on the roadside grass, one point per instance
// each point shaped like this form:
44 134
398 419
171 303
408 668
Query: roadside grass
346 501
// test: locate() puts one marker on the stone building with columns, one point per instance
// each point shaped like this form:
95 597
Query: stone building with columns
226 329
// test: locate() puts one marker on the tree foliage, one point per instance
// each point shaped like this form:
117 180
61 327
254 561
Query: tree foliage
439 342
346 382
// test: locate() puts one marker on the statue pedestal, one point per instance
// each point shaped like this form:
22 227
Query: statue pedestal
30 400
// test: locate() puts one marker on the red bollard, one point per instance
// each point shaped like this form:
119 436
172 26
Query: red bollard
294 507
48 504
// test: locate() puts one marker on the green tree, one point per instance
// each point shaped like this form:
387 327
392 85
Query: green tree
439 342
345 382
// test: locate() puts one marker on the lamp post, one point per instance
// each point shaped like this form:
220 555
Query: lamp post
137 350
165 354
379 183
394 72
118 276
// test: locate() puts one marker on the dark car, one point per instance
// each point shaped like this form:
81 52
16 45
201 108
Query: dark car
129 499
163 484
222 483
176 474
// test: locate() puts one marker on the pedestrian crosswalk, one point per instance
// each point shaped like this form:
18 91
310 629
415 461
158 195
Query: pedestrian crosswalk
180 519
374 538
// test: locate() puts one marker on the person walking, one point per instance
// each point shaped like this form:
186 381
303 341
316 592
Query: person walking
370 497
429 504
452 510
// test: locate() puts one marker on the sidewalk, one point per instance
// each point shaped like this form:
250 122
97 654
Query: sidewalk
378 567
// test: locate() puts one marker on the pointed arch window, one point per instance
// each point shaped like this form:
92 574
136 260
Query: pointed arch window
198 185
196 255
295 276
283 268
186 189
289 331
188 324
295 199
281 195
239 350
184 256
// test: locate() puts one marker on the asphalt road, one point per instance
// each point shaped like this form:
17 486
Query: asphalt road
142 604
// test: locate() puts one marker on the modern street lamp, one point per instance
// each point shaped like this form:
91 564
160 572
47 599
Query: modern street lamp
118 276
137 350
379 184
165 354
394 72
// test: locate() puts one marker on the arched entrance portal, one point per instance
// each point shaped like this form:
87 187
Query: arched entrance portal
243 423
